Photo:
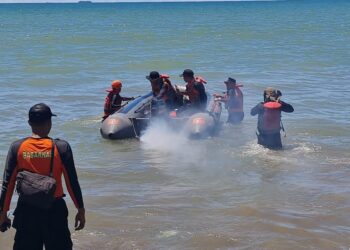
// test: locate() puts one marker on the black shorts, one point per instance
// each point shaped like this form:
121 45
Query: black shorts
36 228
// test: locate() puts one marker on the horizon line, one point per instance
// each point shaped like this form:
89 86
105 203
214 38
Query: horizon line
128 1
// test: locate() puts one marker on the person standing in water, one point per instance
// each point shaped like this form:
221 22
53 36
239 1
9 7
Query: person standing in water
37 226
114 100
269 118
233 99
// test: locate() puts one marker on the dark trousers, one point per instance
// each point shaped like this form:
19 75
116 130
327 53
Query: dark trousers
271 141
36 228
235 117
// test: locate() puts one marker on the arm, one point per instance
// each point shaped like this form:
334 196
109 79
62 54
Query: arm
71 179
258 109
286 107
202 95
162 91
107 105
239 92
9 180
166 87
127 98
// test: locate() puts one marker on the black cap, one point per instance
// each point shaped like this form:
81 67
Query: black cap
40 112
153 75
187 72
230 80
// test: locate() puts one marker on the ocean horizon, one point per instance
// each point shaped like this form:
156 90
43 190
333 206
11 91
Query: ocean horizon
129 1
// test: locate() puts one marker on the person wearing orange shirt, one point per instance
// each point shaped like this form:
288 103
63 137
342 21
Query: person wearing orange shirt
37 227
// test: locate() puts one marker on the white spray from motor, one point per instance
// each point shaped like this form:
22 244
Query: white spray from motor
160 138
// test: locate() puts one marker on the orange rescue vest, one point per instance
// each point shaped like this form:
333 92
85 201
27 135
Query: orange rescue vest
157 87
271 120
192 93
235 105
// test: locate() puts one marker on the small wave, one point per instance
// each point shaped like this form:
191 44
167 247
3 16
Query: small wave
252 149
290 154
303 147
86 122
340 162
86 239
167 234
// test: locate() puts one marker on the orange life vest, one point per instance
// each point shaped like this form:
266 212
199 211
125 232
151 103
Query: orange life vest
235 105
34 155
170 91
157 87
193 94
200 79
113 102
271 119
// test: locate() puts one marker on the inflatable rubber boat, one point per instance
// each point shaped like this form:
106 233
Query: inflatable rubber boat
136 115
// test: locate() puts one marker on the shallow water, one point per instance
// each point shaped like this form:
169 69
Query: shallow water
164 191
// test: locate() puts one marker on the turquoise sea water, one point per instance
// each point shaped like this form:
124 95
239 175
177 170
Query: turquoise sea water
165 192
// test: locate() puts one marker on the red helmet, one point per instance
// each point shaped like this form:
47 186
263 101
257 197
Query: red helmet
116 84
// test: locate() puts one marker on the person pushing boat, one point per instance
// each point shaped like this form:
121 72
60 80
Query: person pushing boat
113 101
233 99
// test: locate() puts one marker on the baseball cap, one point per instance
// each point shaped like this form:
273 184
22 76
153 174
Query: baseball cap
153 75
230 80
187 72
40 112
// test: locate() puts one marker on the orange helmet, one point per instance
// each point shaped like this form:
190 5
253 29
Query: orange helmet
116 84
